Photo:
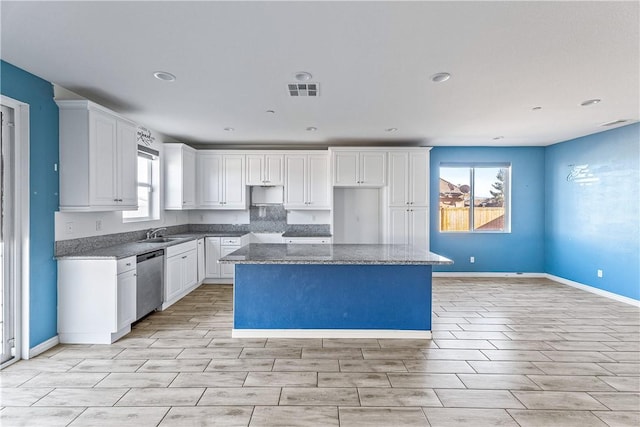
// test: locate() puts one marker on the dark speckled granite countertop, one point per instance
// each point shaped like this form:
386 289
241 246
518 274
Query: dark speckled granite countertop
305 234
264 253
125 250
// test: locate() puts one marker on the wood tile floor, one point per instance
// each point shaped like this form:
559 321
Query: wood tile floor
505 352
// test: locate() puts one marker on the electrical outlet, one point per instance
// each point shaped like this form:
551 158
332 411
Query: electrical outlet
472 259
201 218
98 224
600 273
69 227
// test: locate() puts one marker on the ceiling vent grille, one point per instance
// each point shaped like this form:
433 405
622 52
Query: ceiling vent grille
303 89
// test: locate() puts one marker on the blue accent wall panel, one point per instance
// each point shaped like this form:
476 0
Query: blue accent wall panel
521 250
593 210
296 296
38 93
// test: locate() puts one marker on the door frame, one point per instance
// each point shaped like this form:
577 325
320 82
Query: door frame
21 217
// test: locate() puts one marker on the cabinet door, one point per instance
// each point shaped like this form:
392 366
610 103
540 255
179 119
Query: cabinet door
418 179
188 179
398 178
201 268
419 227
317 182
373 168
398 226
227 270
126 299
212 255
189 269
127 152
345 169
295 192
103 172
234 189
255 169
209 180
274 169
173 281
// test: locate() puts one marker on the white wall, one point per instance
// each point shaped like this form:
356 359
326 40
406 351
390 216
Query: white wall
356 213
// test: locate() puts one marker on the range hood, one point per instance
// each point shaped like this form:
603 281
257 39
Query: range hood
267 196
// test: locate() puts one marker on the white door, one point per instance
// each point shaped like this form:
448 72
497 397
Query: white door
419 227
255 168
345 169
209 180
126 299
174 280
227 270
188 179
398 226
7 288
189 269
200 260
419 179
234 190
212 255
274 169
398 178
295 192
127 152
103 174
372 168
318 184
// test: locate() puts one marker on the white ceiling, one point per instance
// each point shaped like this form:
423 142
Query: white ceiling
373 61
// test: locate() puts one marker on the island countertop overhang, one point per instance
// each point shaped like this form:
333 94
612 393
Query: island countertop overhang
336 254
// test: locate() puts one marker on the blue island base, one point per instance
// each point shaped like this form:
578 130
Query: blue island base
332 301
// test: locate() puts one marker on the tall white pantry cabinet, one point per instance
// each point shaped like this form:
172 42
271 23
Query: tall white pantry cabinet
408 197
98 161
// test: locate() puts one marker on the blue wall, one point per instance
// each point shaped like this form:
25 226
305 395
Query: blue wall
22 86
522 250
595 225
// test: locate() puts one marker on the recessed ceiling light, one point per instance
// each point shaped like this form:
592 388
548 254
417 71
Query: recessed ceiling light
537 108
164 76
590 102
614 122
312 128
303 76
391 129
229 129
440 77
270 111
495 138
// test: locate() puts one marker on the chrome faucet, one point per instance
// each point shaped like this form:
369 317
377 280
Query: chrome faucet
154 232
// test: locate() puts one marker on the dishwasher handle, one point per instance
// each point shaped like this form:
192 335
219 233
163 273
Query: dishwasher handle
149 255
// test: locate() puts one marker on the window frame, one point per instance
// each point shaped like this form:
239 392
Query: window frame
472 166
151 184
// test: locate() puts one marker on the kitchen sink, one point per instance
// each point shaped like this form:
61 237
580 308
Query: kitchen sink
160 240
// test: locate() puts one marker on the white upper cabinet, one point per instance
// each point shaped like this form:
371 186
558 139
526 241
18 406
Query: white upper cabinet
307 184
409 178
265 169
179 177
358 168
221 181
98 160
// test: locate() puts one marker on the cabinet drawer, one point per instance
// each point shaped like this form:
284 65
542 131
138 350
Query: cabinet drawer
230 241
126 264
181 248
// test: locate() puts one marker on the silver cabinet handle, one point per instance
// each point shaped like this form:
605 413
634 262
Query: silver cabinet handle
184 257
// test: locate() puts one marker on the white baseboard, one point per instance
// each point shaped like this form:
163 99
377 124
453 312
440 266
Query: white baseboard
593 290
44 346
485 274
329 333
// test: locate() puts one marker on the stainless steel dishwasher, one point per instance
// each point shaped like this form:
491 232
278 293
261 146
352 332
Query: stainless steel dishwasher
150 282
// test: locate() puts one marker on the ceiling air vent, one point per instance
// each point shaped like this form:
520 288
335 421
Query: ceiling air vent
303 89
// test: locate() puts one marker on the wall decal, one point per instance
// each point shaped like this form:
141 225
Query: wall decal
144 136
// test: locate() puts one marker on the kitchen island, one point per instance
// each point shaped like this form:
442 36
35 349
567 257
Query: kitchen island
332 291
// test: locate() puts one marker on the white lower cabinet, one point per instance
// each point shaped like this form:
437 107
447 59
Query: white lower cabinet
181 271
216 248
96 299
409 226
201 264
